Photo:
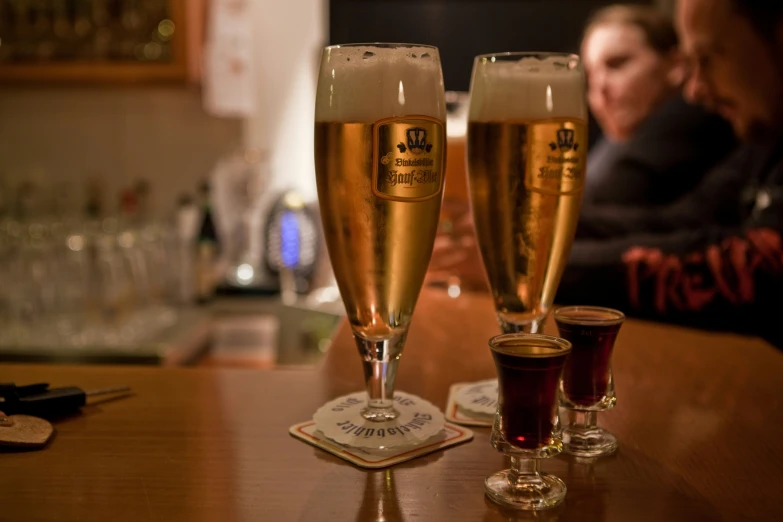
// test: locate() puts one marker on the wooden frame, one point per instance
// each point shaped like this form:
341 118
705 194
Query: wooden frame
81 72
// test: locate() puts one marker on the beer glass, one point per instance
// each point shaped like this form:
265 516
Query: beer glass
587 386
527 142
527 427
380 148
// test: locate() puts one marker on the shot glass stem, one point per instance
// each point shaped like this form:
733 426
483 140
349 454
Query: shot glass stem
584 420
524 471
584 438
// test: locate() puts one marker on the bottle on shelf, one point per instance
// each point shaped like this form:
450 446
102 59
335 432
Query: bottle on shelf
142 191
4 198
128 204
207 249
93 207
26 201
187 222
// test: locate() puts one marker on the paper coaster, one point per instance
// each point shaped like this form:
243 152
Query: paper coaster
450 435
341 421
478 397
462 416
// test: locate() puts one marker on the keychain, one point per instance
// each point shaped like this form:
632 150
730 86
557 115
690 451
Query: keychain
24 431
21 422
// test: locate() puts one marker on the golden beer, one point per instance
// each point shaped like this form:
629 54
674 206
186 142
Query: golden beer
527 142
380 248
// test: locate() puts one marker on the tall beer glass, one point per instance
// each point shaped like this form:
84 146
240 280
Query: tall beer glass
380 149
527 141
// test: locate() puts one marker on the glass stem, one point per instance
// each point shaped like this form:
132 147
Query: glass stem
583 420
524 471
530 326
380 360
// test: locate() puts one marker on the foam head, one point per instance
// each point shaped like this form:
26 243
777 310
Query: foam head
369 82
527 86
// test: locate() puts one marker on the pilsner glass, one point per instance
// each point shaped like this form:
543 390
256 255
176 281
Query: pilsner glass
587 386
380 149
527 142
527 427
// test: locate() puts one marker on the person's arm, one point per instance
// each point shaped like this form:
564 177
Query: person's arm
596 272
737 267
714 200
709 273
667 157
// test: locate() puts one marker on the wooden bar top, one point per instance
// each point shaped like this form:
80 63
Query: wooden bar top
698 419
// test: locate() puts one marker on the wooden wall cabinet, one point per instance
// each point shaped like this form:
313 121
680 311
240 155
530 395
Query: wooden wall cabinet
182 47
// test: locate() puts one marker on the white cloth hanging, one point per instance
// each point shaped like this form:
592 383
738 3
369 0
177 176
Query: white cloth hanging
229 70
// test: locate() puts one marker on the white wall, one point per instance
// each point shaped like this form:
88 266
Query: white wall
117 134
289 38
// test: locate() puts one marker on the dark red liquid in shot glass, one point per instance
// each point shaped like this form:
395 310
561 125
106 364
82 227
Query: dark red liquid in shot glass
586 373
529 374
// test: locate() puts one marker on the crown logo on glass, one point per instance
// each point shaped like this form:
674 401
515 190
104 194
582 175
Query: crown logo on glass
565 141
417 141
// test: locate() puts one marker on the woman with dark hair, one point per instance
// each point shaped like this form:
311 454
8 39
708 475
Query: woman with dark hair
655 147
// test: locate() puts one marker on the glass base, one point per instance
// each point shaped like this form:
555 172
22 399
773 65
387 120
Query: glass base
379 414
591 441
531 492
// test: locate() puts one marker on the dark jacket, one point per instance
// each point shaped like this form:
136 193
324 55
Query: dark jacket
667 157
714 260
714 201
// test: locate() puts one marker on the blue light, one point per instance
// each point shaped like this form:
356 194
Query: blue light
289 240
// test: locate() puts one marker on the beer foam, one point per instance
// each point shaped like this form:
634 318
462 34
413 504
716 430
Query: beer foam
366 83
526 89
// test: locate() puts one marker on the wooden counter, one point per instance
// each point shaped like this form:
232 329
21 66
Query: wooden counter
698 420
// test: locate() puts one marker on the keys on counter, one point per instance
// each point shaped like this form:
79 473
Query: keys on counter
39 400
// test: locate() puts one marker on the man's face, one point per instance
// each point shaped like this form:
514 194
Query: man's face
735 71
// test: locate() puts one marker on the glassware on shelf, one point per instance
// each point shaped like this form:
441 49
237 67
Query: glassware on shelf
54 31
71 283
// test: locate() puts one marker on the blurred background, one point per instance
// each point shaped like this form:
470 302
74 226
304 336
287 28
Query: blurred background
157 191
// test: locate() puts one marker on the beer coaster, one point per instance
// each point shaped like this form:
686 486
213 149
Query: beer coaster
450 435
462 416
341 421
478 397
